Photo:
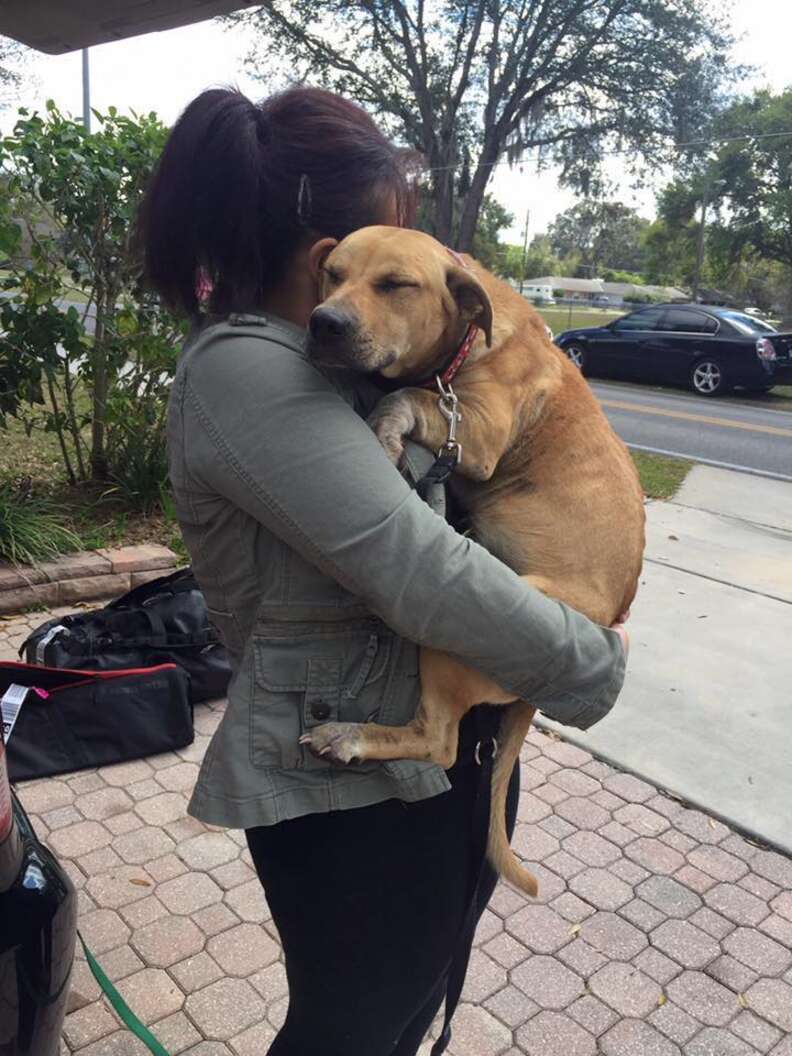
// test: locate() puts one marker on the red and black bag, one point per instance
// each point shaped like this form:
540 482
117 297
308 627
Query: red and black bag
73 719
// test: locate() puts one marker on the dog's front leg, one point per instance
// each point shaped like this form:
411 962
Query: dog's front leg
484 436
393 420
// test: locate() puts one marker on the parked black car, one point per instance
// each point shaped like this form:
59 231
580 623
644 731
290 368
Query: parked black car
710 349
38 924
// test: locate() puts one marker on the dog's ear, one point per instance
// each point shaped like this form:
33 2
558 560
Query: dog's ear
471 299
317 255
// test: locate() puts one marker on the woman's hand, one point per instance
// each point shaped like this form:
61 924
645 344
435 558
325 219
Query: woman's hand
621 630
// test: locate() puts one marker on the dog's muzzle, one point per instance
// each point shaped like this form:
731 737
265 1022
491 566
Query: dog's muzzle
331 326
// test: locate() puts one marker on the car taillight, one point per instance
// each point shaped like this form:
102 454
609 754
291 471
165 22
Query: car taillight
765 349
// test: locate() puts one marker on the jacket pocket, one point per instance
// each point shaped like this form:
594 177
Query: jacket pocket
306 680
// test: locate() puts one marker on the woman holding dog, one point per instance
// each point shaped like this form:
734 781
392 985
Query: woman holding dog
325 571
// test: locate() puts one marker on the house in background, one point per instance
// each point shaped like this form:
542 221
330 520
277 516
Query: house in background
536 290
617 294
562 288
598 293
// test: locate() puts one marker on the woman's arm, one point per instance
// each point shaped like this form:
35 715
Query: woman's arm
273 435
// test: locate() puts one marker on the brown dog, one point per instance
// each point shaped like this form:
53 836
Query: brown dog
548 486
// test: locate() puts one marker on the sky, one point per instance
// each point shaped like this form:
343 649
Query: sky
163 71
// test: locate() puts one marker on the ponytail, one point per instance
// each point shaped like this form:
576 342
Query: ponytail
199 213
240 186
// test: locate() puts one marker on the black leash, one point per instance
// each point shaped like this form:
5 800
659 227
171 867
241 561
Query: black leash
438 473
487 720
487 726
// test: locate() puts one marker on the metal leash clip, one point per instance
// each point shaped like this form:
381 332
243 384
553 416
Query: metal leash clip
477 751
448 402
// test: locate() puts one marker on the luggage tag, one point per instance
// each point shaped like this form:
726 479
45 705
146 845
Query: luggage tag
11 705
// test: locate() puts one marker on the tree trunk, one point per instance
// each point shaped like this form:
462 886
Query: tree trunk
99 401
474 199
443 202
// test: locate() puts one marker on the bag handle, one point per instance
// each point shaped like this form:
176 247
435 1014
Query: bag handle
138 595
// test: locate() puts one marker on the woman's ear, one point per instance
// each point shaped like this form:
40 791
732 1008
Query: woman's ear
317 255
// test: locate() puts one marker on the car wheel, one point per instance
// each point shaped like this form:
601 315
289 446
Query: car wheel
707 378
577 355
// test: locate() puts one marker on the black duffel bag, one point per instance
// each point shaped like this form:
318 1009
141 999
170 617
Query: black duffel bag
163 621
76 719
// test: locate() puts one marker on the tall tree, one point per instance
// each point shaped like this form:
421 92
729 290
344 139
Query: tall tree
13 57
538 260
742 179
671 241
487 246
472 82
750 179
601 235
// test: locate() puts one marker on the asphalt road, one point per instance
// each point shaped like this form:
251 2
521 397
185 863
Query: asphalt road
721 432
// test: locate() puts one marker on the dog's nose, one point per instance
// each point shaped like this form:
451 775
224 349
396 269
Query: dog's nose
329 324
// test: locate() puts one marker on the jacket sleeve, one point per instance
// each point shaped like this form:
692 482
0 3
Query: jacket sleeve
271 434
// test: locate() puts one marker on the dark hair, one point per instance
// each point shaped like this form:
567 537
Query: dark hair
240 186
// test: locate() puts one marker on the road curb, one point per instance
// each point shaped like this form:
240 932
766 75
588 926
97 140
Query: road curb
563 734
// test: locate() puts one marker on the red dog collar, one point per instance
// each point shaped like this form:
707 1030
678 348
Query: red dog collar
462 353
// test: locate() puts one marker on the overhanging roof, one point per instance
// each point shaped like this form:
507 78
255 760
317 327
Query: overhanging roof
56 26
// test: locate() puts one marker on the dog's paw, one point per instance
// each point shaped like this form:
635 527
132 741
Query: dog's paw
338 742
393 419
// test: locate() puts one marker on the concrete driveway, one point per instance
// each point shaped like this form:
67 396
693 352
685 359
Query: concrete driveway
705 711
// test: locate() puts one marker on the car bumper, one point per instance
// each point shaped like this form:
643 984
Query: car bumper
38 924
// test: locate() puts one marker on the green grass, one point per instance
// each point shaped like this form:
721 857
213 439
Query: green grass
559 319
660 476
101 519
781 397
36 456
31 527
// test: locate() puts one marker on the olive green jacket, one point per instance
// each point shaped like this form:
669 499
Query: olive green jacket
324 571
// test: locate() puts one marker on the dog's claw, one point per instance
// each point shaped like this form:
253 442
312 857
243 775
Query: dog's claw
340 742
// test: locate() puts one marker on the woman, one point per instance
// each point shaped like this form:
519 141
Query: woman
325 571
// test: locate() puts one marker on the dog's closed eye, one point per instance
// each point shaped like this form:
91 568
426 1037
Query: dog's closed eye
390 283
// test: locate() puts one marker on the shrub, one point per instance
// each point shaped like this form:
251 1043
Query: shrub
30 528
103 362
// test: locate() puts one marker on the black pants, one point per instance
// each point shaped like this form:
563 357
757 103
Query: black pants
369 904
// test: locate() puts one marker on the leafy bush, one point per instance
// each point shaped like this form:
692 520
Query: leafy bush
137 457
30 528
78 337
638 298
614 275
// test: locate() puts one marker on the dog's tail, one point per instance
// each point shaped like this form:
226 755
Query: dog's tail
514 727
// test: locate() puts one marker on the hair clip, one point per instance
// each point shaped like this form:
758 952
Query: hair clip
304 200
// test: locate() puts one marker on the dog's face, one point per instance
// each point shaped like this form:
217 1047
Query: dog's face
396 301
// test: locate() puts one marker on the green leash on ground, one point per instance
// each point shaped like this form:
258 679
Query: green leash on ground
128 1017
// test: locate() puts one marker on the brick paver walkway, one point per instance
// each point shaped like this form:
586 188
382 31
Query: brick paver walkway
657 932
